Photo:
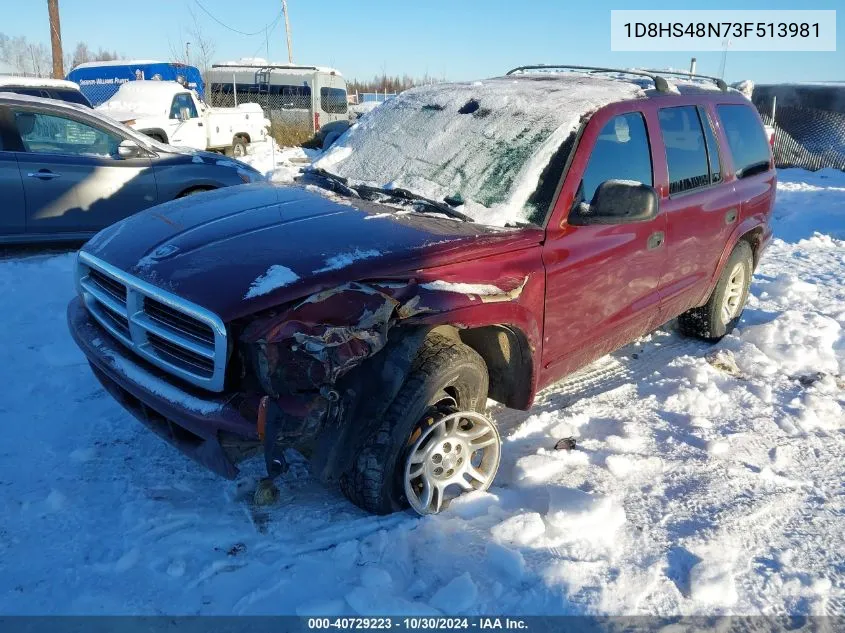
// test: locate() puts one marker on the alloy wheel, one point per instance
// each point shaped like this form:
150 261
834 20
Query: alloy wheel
453 454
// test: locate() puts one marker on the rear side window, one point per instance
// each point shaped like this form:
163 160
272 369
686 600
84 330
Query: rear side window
686 150
621 152
333 100
30 92
746 139
71 96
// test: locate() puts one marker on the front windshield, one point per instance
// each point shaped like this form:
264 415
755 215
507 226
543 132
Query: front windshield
485 144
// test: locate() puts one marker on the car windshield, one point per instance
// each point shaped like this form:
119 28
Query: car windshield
484 145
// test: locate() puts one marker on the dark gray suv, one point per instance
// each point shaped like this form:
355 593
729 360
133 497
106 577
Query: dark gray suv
67 171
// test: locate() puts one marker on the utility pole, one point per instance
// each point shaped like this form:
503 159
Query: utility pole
287 30
56 39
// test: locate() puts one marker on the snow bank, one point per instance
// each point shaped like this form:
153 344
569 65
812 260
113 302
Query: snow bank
279 164
487 142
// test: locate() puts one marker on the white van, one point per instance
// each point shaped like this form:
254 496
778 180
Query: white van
290 94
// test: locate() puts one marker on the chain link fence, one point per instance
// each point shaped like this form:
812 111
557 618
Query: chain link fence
808 137
288 108
98 93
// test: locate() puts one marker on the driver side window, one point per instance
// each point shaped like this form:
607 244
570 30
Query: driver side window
621 152
183 101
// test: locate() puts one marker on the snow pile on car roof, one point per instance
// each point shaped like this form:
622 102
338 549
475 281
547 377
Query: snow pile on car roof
486 142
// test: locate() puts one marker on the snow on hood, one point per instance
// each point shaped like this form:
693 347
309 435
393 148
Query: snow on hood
487 142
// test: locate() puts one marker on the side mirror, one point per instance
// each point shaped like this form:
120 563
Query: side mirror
184 114
129 149
617 202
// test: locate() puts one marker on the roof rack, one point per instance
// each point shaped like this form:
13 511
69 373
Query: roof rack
659 82
680 73
266 66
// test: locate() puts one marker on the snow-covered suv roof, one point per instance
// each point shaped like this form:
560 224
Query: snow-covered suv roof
36 82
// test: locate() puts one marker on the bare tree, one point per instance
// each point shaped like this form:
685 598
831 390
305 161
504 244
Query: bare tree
24 57
202 47
81 55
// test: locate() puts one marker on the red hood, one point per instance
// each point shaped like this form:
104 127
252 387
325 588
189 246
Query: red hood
215 249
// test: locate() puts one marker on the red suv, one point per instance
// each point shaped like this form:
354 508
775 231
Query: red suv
463 242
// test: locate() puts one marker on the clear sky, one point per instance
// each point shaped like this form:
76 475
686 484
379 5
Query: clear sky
455 39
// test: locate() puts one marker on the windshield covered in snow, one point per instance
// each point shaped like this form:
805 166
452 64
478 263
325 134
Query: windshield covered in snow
485 144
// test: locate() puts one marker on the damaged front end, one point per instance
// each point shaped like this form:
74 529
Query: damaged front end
298 363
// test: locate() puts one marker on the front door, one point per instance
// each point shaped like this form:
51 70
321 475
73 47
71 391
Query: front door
602 281
185 127
73 178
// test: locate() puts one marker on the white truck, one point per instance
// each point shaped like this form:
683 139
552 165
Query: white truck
171 113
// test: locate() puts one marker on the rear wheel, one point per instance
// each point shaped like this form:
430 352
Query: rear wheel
437 408
238 149
723 310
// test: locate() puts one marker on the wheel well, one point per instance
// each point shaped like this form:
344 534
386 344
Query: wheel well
195 189
507 355
158 135
754 238
242 135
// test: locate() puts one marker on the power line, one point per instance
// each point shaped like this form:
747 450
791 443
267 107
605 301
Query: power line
224 25
270 29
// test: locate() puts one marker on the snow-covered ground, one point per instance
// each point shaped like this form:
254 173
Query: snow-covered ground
279 164
698 486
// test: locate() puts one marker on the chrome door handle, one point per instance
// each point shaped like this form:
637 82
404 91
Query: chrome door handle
655 240
43 175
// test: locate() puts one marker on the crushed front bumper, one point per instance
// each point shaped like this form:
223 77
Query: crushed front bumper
195 422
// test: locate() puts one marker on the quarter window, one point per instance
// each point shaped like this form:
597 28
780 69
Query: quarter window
746 139
621 152
712 147
686 151
50 134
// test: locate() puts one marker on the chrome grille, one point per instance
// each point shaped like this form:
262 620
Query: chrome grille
179 337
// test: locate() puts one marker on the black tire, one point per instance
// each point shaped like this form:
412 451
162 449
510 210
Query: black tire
194 191
238 149
444 369
705 322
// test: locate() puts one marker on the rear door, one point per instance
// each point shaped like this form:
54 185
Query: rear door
602 281
73 178
13 207
701 206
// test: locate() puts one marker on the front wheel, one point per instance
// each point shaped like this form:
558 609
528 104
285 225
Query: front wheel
432 435
723 310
